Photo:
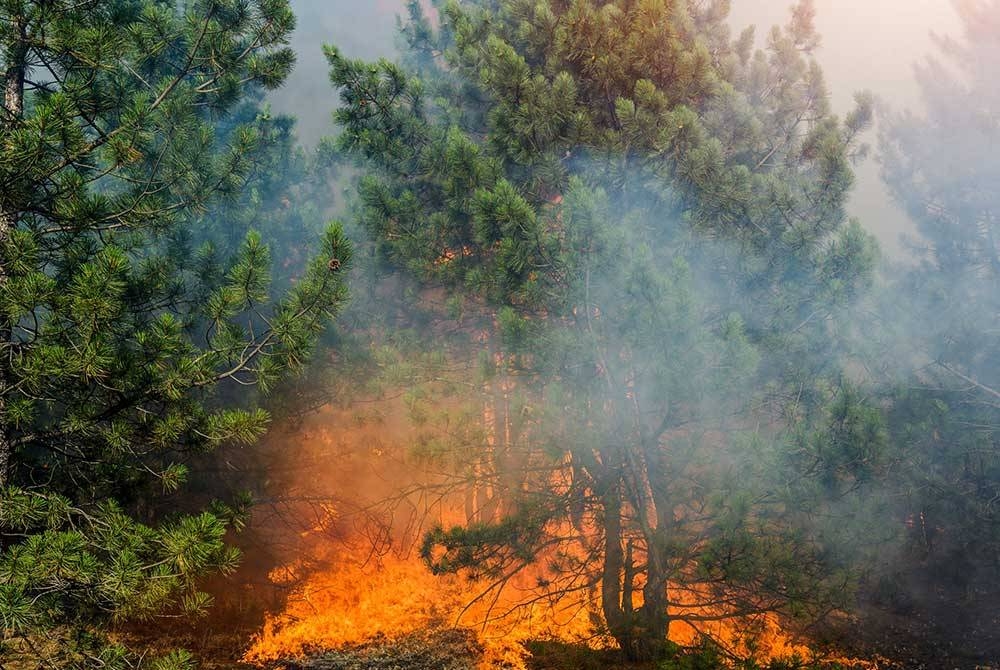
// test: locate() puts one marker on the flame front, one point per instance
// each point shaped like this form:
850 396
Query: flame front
355 575
351 604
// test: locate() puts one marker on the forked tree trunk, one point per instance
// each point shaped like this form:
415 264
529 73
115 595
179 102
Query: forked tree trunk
13 102
640 632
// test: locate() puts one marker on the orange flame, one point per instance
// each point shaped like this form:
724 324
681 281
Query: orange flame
351 604
348 586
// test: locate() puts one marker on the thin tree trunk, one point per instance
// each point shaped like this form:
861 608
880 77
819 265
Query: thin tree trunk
13 102
653 618
628 582
615 616
509 468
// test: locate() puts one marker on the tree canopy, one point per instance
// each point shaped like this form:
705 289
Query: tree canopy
939 163
656 214
136 308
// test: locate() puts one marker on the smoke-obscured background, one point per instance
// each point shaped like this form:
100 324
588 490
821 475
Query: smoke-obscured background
361 29
867 44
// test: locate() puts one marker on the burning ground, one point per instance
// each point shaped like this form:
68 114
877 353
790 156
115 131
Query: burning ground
352 490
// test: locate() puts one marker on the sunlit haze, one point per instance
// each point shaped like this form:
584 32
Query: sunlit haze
867 44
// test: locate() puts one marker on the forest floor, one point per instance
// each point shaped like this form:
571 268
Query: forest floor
936 626
897 644
921 640
938 633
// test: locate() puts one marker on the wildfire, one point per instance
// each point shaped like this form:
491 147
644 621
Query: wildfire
348 603
351 604
354 576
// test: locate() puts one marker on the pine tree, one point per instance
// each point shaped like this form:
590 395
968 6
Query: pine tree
135 325
940 164
656 214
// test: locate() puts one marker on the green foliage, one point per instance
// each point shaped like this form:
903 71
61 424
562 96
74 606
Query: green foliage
708 656
484 550
705 656
653 215
139 317
945 364
76 565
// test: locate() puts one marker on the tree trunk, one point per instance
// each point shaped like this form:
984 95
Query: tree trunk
654 615
619 622
13 102
640 633
510 469
652 621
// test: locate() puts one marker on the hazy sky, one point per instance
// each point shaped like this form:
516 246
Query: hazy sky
360 28
867 44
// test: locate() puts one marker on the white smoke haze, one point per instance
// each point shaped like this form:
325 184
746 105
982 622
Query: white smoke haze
873 45
315 108
867 44
362 29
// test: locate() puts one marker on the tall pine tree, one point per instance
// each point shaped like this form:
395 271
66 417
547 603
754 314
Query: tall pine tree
133 327
656 214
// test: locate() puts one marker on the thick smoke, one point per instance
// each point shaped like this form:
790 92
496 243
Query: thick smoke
605 285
